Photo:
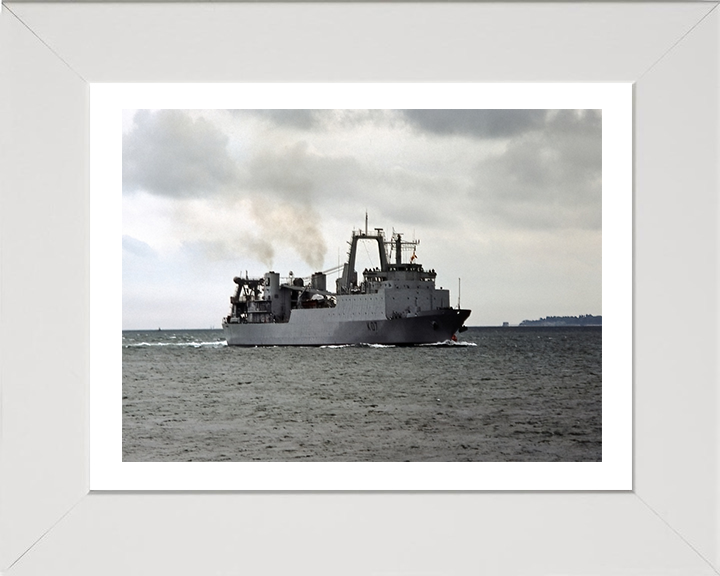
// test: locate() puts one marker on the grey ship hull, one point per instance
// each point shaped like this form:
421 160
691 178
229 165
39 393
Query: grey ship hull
322 327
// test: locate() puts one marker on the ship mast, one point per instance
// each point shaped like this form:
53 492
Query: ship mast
397 244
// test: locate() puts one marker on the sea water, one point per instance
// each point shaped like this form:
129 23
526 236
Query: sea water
498 395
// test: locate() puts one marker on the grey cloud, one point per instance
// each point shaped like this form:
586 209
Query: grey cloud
302 119
323 120
345 185
168 153
171 154
350 119
409 196
290 172
476 123
301 179
295 174
577 122
550 178
548 175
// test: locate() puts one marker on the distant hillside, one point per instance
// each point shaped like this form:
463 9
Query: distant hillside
585 320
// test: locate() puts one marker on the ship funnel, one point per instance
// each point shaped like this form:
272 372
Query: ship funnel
272 285
318 281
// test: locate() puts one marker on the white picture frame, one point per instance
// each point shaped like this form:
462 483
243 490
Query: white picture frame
668 523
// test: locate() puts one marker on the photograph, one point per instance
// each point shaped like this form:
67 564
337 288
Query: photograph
538 179
362 285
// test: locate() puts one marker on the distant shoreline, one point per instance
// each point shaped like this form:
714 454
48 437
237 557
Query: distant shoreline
541 326
584 320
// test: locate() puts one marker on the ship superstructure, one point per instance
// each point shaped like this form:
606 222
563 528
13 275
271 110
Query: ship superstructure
393 303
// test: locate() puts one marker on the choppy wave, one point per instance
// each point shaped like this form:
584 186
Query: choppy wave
185 344
451 343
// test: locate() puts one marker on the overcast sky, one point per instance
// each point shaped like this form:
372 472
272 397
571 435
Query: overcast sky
507 200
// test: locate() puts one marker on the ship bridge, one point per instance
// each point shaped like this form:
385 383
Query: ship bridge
375 278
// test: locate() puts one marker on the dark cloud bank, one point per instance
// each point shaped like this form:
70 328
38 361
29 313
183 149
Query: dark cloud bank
547 175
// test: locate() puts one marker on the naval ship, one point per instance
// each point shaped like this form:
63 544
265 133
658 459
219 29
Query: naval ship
395 304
